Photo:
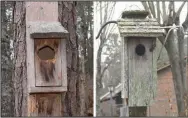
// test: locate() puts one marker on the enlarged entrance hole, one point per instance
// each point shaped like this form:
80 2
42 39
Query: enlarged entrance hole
140 49
46 53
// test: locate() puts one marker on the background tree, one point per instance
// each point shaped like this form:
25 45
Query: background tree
106 8
85 35
6 62
112 63
175 51
76 97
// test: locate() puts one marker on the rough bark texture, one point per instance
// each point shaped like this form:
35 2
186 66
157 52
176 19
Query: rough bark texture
85 33
20 70
6 68
71 100
175 67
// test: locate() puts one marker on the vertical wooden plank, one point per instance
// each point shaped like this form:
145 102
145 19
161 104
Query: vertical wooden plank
45 105
124 68
30 54
141 89
32 107
154 72
48 72
64 62
42 11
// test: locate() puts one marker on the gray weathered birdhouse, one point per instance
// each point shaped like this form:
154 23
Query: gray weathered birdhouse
139 72
46 53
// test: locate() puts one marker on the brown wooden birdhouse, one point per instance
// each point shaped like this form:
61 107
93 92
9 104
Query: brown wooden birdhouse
46 50
139 72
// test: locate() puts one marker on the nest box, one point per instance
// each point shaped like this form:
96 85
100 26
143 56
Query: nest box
139 71
46 53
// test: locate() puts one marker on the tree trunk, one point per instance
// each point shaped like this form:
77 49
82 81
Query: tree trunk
67 17
7 102
176 54
173 54
20 70
85 32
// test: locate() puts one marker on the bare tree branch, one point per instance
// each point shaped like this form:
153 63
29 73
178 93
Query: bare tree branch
152 8
115 56
185 23
164 18
171 13
179 11
175 52
146 7
158 12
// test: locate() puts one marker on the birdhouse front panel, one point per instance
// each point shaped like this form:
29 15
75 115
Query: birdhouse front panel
43 105
48 69
140 70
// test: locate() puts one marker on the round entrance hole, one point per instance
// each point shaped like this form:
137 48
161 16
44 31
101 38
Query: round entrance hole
140 49
46 53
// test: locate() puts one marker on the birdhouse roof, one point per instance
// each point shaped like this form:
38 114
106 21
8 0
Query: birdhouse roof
135 23
47 30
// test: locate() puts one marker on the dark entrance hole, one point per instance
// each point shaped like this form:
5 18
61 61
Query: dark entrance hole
46 53
140 49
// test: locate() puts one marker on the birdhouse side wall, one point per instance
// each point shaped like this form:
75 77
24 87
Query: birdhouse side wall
64 63
124 70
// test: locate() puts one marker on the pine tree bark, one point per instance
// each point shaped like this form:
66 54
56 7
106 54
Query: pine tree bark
20 70
71 100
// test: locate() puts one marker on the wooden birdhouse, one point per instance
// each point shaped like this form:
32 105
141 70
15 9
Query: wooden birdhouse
139 71
47 53
46 60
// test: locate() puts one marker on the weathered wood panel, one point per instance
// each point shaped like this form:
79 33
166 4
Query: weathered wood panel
124 70
64 62
42 11
48 70
141 80
37 11
49 89
45 105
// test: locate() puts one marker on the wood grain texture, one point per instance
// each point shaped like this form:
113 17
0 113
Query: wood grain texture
64 63
48 72
45 105
42 11
141 79
49 89
42 100
124 70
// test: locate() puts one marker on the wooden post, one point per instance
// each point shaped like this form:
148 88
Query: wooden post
46 59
